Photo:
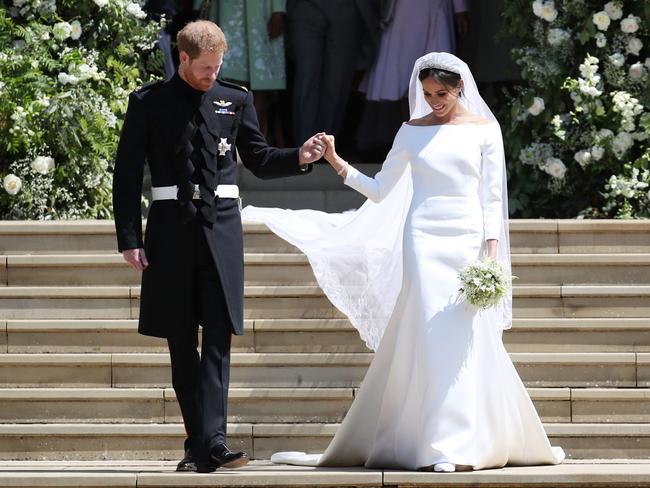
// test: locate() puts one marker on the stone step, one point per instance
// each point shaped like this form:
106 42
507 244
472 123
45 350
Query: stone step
624 473
315 335
278 302
526 236
327 370
286 405
294 269
163 441
281 302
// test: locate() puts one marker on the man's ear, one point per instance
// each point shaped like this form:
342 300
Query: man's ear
183 57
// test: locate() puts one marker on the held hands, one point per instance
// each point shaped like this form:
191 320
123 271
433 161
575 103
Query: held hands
312 150
332 157
136 259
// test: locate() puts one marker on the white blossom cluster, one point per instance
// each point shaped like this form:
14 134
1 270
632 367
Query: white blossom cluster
484 283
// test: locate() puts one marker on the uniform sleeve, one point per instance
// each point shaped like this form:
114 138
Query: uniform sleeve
127 176
492 176
262 160
378 187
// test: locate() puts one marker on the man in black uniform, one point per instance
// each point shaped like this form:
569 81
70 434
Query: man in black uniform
187 129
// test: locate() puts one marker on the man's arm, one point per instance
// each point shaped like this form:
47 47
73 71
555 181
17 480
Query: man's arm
127 176
263 160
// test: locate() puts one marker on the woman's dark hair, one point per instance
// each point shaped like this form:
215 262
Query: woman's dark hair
448 79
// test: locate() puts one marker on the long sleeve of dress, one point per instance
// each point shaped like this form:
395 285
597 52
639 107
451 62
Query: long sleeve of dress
492 177
378 187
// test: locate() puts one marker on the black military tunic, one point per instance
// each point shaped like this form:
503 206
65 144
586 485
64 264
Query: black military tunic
188 136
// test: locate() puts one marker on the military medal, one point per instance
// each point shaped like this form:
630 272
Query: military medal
224 147
223 107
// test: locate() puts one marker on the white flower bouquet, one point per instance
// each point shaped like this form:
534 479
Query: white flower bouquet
484 283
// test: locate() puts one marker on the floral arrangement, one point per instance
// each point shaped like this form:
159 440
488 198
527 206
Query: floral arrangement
577 127
484 283
66 68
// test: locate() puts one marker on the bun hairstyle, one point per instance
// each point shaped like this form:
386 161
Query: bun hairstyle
448 79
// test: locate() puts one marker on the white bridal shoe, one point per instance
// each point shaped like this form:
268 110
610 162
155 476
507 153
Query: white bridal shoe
444 468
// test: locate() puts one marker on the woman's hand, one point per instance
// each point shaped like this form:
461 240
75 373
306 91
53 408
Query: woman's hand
492 248
339 165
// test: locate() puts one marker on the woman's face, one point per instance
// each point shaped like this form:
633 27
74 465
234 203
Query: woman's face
439 97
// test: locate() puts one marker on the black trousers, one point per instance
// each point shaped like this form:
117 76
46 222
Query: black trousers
201 382
323 40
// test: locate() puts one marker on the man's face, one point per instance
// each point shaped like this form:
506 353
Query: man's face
201 72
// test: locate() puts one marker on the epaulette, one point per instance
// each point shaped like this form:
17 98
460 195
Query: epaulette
149 86
229 84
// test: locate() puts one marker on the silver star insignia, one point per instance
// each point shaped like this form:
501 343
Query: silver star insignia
224 147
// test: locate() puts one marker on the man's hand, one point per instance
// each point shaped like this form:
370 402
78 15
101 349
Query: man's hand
312 150
461 21
275 27
136 259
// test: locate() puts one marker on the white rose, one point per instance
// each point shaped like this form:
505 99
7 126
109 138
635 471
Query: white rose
597 152
614 10
45 36
605 133
637 71
101 3
630 24
537 107
75 30
556 36
621 143
548 12
12 184
601 40
617 59
61 30
555 167
601 20
135 10
537 8
43 164
634 46
583 158
639 136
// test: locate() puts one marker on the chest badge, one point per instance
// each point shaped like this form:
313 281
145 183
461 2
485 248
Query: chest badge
223 107
224 147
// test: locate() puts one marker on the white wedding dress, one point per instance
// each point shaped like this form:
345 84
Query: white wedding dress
441 387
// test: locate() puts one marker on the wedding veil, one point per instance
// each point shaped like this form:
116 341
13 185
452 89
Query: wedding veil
357 256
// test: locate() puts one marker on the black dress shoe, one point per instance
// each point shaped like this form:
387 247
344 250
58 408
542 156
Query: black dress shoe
222 457
187 464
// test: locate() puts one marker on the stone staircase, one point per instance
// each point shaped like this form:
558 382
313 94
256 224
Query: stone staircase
78 383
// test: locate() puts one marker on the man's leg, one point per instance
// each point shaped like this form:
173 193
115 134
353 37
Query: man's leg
215 361
307 27
340 54
186 370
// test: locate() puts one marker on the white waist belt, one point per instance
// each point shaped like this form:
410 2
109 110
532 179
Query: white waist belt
171 192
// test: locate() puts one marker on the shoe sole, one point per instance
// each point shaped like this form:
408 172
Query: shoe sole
237 463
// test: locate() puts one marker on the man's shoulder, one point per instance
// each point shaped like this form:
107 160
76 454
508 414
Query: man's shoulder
147 89
229 91
231 85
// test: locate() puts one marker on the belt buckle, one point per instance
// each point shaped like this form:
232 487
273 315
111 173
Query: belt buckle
197 193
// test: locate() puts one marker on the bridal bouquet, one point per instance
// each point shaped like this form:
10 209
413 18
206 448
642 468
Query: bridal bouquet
484 283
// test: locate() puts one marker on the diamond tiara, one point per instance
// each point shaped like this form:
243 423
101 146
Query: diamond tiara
427 64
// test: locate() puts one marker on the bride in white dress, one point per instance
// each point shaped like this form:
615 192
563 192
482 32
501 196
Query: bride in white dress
441 391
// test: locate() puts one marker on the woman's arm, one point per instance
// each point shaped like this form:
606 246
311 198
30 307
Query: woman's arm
373 188
492 187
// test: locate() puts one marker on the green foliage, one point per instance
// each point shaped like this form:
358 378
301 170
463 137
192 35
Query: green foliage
580 116
66 69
